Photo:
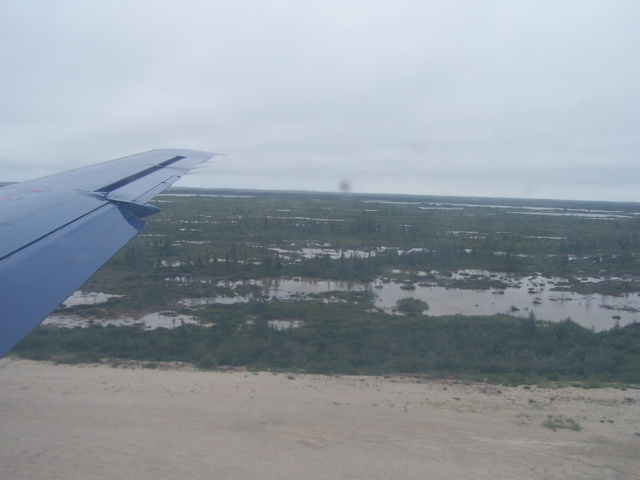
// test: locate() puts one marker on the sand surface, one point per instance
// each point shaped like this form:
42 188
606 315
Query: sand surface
98 422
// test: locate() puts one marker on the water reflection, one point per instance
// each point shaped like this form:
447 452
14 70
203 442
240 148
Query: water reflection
522 297
149 321
284 324
87 298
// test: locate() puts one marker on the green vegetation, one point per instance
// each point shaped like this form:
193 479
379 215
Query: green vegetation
411 306
555 423
341 338
204 240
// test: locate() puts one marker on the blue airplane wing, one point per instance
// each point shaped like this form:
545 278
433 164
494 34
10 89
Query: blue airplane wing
56 231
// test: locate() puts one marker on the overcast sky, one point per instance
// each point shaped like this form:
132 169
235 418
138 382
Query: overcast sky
537 99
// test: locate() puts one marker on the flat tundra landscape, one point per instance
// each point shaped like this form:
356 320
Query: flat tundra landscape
175 422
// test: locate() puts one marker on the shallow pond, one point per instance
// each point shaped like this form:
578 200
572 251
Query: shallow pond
591 311
149 321
87 298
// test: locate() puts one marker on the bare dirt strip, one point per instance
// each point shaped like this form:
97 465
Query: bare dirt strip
174 422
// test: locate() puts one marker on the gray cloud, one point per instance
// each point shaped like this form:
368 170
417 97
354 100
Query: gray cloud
492 98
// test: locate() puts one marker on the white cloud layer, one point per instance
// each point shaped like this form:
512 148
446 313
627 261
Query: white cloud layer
495 98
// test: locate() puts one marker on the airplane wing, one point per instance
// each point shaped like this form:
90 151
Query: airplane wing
55 232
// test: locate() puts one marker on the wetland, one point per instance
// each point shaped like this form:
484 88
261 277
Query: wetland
259 265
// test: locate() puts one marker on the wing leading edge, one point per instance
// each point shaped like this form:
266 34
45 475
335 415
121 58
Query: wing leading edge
57 231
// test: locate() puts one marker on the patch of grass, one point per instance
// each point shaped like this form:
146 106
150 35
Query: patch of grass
207 361
592 382
559 422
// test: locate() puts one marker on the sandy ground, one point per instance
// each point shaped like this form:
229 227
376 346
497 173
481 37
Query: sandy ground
99 422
